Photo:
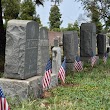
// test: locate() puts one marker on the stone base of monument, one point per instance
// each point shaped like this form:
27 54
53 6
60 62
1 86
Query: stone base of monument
70 66
24 89
100 56
88 60
85 59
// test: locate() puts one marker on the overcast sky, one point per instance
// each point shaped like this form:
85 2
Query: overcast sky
70 12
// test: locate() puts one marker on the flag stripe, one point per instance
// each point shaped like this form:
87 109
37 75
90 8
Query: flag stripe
78 66
3 101
47 75
93 60
61 73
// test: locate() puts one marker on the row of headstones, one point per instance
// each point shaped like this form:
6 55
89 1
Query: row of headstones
27 48
88 41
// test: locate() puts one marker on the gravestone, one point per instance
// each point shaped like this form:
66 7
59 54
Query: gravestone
70 47
56 57
21 49
87 39
101 44
21 60
43 51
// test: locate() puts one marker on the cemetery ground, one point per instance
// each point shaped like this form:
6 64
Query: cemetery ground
86 90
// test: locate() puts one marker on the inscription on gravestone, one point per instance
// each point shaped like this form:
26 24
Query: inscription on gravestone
43 53
21 49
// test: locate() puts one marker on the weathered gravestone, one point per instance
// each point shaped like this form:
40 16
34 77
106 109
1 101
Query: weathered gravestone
21 60
21 49
43 51
70 47
87 39
101 44
56 57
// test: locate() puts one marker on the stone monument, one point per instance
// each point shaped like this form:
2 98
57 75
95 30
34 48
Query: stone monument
43 51
101 44
21 78
21 49
70 47
87 39
56 57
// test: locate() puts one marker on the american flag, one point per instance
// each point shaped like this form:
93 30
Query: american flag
105 58
78 65
47 76
3 101
93 60
61 73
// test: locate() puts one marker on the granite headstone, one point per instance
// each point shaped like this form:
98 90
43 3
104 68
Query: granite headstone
87 39
43 51
101 44
21 49
70 45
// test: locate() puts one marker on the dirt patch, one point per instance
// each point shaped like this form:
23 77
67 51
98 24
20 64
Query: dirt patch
47 94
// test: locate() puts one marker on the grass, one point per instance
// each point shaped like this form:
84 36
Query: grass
86 90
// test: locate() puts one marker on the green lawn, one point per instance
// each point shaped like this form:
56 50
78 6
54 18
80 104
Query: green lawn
87 90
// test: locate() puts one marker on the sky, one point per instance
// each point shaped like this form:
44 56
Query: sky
70 12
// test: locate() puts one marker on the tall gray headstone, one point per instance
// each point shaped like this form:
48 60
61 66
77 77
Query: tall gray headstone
70 45
21 49
43 51
56 57
101 44
87 39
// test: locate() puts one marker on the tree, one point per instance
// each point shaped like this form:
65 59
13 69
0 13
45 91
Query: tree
10 9
103 9
2 36
95 17
27 10
37 19
55 17
72 27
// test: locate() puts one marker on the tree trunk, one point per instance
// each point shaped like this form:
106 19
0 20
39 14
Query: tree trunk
2 33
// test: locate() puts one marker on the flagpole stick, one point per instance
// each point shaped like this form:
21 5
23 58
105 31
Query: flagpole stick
62 83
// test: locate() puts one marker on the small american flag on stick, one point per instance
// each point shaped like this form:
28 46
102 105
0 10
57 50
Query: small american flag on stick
93 59
3 101
47 76
61 73
78 65
105 58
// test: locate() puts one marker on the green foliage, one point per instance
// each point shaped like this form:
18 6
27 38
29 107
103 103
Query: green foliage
55 17
37 19
99 10
27 10
95 17
72 27
11 9
56 29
